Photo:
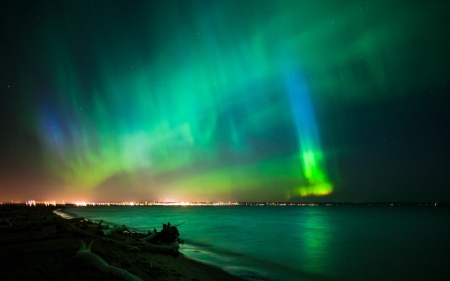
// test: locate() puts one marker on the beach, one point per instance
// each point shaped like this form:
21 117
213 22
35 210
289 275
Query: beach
36 244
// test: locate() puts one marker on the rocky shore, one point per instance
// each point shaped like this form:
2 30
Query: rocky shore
37 244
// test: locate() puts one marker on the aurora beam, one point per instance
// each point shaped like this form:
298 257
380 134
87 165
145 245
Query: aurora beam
310 152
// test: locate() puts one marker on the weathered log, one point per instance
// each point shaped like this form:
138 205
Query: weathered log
165 241
85 254
150 237
114 230
74 229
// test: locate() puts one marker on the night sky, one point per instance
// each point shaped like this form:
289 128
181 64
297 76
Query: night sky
224 100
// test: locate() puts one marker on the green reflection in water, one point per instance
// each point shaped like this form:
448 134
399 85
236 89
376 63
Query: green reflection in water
316 240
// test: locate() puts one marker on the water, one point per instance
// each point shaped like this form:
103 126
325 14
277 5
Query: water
304 243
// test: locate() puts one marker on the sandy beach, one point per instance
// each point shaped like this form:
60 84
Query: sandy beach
35 245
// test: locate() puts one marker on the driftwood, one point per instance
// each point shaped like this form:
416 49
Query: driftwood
115 229
165 241
149 237
85 254
85 233
167 235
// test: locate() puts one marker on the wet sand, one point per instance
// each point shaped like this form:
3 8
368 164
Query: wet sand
37 246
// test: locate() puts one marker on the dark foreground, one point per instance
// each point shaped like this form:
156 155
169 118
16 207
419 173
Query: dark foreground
37 246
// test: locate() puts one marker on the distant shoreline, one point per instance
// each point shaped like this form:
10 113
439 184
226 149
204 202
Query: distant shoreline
229 204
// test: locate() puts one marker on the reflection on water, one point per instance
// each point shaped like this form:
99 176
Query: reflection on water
315 239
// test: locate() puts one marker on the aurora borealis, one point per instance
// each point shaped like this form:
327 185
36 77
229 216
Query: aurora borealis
222 100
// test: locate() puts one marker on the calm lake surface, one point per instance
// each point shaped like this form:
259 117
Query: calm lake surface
303 243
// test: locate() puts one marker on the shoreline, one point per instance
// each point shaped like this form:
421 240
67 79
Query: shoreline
36 246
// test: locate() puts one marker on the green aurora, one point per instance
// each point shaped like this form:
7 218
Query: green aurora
213 100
